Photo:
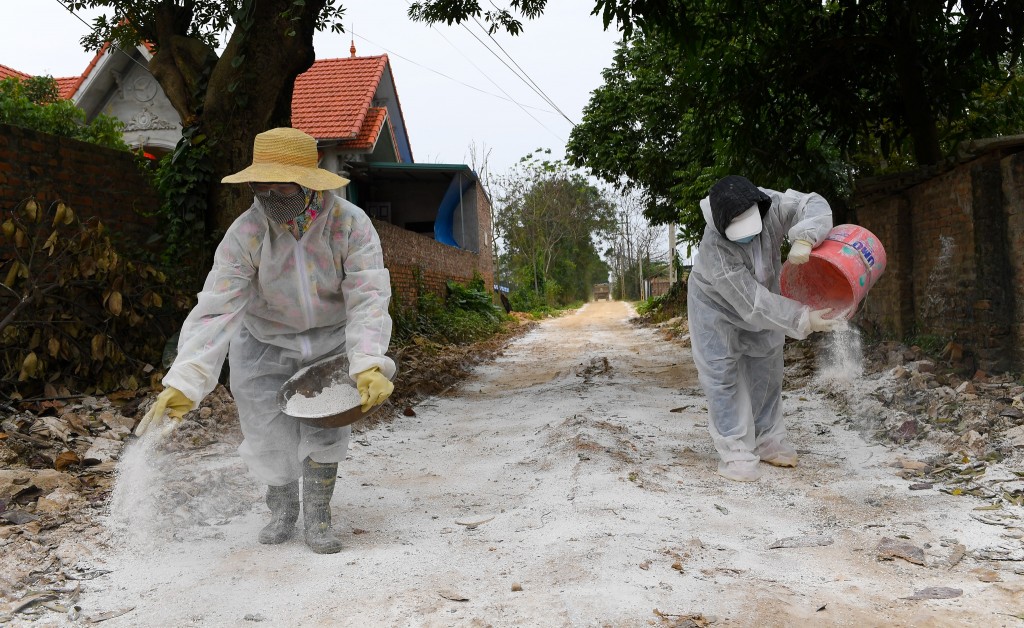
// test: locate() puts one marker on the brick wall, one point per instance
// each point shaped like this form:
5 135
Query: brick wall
1012 169
407 254
106 183
955 248
94 181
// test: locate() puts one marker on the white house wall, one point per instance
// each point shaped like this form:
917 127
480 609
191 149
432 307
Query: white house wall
122 87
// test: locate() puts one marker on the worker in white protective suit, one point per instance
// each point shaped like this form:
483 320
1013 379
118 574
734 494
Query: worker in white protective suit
738 320
299 276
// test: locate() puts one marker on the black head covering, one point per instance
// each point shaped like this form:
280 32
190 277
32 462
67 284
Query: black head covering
732 196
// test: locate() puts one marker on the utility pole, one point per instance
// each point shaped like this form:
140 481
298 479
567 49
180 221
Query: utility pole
671 254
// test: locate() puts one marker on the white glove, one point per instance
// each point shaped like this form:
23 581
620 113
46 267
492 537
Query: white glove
800 252
820 323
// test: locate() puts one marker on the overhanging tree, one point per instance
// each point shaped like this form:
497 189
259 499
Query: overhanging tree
224 99
816 89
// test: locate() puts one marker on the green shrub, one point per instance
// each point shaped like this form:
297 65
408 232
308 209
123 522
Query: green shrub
466 315
33 103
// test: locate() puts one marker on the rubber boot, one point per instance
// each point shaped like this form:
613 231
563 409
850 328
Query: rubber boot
317 488
284 512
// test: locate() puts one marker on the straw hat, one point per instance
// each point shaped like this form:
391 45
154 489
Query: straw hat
286 155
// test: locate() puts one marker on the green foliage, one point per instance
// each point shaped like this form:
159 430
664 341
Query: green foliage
791 94
471 297
931 344
628 15
34 104
183 179
665 306
75 313
467 315
128 23
547 217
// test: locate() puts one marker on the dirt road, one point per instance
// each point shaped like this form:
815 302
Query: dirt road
570 483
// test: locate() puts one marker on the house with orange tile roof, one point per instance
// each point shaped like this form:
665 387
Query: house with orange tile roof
351 106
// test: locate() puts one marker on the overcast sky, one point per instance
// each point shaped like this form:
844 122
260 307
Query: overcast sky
441 72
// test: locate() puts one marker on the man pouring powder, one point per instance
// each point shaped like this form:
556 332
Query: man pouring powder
299 276
739 321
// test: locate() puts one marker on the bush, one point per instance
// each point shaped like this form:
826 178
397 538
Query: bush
33 103
467 315
76 314
666 306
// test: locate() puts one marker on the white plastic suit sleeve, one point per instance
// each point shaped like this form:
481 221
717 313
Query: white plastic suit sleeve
805 216
756 305
748 291
367 291
216 317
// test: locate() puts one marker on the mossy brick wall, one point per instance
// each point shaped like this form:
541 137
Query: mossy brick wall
890 303
955 249
94 181
1012 169
415 260
106 183
942 242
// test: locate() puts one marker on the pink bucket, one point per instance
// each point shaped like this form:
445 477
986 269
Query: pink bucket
839 273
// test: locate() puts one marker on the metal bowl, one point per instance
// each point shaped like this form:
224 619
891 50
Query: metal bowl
311 381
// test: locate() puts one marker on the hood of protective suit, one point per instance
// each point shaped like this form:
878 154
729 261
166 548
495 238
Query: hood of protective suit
730 197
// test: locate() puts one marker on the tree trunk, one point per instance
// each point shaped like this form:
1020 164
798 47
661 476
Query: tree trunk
248 90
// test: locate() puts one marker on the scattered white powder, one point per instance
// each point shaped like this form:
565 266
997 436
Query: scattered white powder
133 510
336 398
843 359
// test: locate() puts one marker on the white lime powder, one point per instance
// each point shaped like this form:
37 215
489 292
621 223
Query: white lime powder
336 398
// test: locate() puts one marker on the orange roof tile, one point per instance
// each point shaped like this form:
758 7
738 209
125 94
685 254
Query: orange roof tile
331 100
376 117
66 86
6 72
72 84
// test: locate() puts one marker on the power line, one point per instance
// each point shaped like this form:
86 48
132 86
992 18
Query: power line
112 44
536 88
485 75
557 136
450 78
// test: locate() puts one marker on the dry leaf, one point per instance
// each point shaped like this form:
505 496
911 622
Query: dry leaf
66 459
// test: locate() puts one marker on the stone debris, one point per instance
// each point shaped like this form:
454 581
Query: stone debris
57 477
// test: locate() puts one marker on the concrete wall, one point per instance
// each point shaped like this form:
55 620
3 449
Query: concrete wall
955 248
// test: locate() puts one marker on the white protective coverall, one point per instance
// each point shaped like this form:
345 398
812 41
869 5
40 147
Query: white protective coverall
738 323
282 304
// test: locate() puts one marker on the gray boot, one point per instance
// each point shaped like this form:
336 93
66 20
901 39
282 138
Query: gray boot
317 488
284 512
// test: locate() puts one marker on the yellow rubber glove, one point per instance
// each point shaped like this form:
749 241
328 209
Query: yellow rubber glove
373 388
800 252
171 403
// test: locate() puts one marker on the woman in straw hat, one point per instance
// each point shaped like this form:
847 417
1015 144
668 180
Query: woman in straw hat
299 276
